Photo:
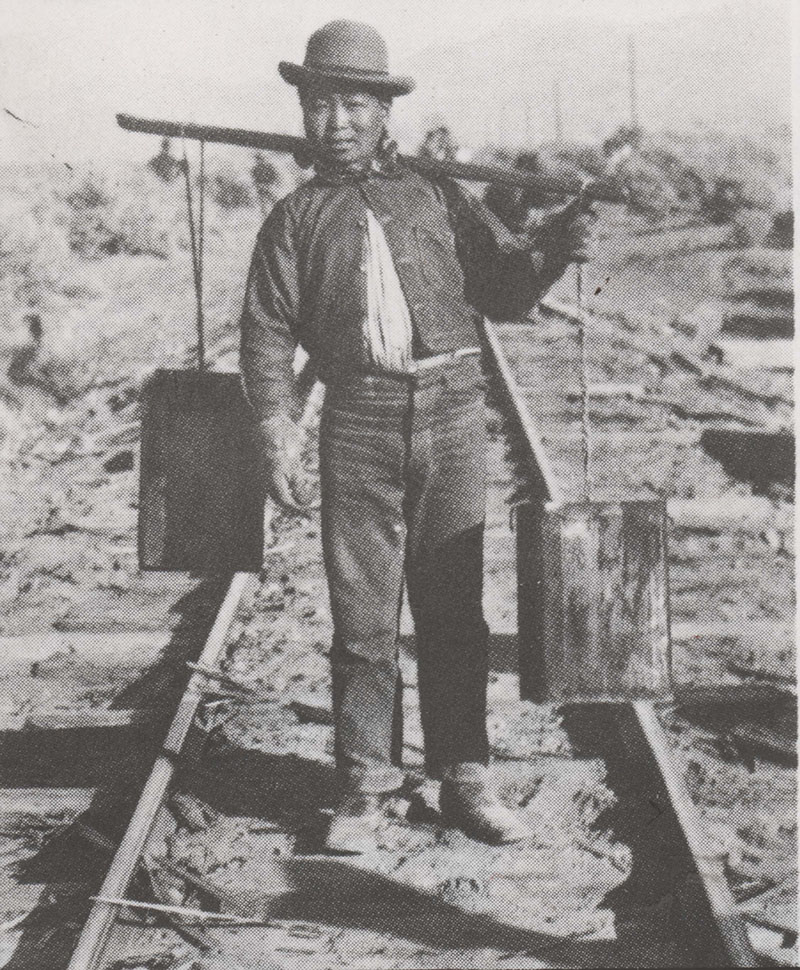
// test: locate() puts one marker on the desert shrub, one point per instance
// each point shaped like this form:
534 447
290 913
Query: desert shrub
91 193
33 257
230 190
102 222
712 175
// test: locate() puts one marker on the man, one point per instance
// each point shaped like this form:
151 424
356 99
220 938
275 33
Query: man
383 276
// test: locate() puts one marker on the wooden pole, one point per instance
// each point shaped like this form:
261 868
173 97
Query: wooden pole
468 171
94 936
632 88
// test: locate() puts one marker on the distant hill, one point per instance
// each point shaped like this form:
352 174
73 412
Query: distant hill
729 68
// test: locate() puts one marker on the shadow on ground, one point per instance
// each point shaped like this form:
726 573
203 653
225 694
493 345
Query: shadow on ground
117 761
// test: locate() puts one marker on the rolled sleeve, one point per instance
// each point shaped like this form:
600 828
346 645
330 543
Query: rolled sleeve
269 323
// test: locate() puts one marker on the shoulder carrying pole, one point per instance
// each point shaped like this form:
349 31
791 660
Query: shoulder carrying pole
606 191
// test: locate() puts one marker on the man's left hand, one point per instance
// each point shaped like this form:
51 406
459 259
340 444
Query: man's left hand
566 234
579 238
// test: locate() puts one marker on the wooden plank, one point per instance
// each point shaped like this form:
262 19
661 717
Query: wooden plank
728 697
760 323
634 437
79 719
762 670
756 632
89 950
777 294
764 741
610 389
742 354
751 267
675 869
45 801
757 455
670 352
134 649
775 909
593 621
740 513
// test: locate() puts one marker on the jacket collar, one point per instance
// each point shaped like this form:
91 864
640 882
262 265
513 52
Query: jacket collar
383 165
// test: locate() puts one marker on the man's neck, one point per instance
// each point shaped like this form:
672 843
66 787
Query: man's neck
382 162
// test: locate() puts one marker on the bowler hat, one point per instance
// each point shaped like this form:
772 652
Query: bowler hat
344 50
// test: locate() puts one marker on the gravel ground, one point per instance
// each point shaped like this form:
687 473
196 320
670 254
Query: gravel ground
67 562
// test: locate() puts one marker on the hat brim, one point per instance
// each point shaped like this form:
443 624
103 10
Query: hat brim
298 74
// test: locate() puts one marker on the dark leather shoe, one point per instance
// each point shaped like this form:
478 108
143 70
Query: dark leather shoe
352 829
467 801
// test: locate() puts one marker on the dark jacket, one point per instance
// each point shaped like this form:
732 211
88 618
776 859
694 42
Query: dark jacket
307 281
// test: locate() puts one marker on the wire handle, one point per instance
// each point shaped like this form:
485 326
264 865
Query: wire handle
586 429
196 242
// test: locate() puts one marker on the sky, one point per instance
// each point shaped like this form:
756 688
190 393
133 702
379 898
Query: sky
67 66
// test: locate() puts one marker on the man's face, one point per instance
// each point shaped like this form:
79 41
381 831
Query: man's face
343 126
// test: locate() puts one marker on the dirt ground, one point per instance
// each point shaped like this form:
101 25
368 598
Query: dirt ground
429 897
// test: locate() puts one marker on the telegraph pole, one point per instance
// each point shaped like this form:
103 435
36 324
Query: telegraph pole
632 92
557 119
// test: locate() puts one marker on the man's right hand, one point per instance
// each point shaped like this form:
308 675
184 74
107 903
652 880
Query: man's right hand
288 483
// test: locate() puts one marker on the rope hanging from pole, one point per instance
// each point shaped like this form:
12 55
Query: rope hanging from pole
586 440
201 218
196 244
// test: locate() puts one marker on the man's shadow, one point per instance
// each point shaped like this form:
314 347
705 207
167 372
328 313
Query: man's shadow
290 792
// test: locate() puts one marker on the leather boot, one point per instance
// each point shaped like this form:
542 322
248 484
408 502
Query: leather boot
352 829
467 801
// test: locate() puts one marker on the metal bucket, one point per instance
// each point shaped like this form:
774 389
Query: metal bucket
201 498
593 611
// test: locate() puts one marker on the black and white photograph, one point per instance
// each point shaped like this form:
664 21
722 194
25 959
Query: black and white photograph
397 478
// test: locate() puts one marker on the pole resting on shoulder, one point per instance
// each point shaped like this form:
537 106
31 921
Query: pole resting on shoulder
601 191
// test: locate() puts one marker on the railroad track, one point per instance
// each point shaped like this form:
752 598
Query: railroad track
723 540
93 704
656 887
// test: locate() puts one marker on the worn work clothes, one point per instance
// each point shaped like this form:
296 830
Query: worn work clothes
308 284
402 457
403 475
389 336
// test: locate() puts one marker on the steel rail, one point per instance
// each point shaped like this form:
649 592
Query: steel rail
633 730
706 899
543 478
97 928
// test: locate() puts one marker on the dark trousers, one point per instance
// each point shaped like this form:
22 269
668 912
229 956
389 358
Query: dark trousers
403 476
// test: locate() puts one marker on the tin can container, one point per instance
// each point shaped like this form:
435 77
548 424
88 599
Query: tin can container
593 605
201 497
